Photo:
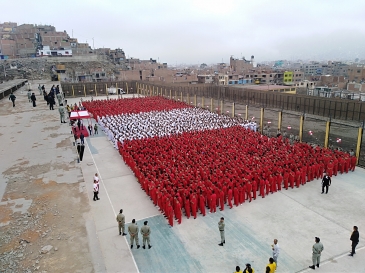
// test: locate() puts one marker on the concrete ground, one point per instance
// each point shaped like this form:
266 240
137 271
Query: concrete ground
293 216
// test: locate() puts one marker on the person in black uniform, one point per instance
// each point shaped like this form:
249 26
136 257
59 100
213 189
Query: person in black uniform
355 240
326 182
51 101
33 99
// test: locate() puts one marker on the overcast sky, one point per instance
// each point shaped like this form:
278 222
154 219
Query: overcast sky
210 31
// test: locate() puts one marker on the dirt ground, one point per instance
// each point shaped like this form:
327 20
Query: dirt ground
44 202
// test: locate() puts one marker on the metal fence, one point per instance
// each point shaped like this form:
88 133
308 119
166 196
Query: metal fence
317 111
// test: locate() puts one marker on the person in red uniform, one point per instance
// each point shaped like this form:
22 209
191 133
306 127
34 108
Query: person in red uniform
291 179
201 204
286 180
347 163
170 215
187 207
235 196
335 167
268 186
254 189
193 205
229 194
262 188
298 178
213 202
221 198
249 190
178 212
353 163
329 170
279 181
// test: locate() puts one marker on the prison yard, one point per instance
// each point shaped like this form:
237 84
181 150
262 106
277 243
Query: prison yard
160 150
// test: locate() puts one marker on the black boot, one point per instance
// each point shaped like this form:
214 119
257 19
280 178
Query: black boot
138 246
124 234
131 246
221 244
313 267
143 247
317 265
149 246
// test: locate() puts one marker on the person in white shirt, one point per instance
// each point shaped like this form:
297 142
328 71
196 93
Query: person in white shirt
275 251
96 190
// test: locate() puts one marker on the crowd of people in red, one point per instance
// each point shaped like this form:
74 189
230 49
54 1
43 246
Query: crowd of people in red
111 107
215 168
192 171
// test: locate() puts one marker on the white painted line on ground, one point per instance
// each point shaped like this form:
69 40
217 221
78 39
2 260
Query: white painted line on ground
110 201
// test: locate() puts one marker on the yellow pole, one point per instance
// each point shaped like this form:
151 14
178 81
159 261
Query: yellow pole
175 95
301 124
262 120
211 105
85 90
96 92
73 91
280 120
195 100
233 110
153 90
116 89
246 114
181 96
328 126
202 102
127 88
221 110
170 94
358 145
188 99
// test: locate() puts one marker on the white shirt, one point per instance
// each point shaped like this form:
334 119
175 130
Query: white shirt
96 187
276 250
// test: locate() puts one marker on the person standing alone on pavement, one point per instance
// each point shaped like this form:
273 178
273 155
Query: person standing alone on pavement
221 230
12 98
355 240
316 253
33 99
133 233
121 222
95 129
275 251
146 231
96 191
326 182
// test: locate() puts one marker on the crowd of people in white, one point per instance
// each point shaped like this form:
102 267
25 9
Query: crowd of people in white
165 123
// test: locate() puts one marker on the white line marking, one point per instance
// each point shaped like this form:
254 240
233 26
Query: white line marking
101 179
